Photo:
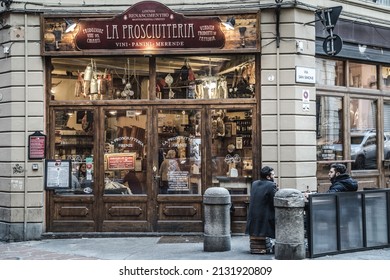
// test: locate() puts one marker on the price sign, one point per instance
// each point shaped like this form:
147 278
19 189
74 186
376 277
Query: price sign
37 146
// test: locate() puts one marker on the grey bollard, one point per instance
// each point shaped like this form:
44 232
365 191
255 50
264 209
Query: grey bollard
217 237
289 225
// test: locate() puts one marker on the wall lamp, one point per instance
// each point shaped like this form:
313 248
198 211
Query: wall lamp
70 26
4 24
6 3
229 24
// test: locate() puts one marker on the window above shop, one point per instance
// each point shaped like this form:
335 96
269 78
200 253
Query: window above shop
362 75
332 72
177 77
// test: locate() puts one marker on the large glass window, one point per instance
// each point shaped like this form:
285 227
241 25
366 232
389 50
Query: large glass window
179 138
74 138
100 78
178 77
329 128
206 77
386 116
232 149
386 77
330 72
363 134
363 75
125 152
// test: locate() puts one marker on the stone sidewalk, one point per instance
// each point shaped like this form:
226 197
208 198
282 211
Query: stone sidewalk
149 248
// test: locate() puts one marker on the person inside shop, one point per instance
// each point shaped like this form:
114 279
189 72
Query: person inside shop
168 165
75 182
261 216
82 173
133 182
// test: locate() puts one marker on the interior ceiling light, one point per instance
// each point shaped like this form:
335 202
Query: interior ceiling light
70 26
230 22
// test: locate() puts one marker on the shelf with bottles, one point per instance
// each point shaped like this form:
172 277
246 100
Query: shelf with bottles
73 138
244 126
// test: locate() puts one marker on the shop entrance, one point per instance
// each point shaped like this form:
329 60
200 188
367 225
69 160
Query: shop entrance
145 169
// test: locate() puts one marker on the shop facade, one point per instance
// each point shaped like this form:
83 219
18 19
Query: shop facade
146 107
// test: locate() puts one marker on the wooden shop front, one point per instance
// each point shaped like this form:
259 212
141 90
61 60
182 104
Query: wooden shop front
151 108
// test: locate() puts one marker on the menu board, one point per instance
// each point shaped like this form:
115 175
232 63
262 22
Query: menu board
58 174
37 146
119 161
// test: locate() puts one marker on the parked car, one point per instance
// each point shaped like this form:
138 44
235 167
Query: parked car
363 149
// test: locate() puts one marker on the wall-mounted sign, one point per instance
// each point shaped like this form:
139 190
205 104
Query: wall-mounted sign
36 145
305 100
305 75
58 174
119 161
150 25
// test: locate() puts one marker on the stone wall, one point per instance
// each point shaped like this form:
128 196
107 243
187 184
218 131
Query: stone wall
21 114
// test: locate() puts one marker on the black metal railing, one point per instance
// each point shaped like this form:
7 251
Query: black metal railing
348 221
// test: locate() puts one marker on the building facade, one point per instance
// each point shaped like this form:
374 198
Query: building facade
115 118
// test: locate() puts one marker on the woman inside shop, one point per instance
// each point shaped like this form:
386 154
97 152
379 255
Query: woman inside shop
82 173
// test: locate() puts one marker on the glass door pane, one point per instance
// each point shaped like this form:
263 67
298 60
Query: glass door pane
74 139
179 139
125 152
329 128
231 149
363 134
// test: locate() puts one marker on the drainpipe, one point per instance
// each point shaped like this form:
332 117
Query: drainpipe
278 4
25 125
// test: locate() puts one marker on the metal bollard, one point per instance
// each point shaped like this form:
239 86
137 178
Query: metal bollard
289 225
217 236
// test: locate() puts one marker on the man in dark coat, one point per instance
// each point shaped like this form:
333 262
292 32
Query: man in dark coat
341 181
261 215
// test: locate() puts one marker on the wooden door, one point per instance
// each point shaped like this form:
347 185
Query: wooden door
114 193
73 137
125 201
178 170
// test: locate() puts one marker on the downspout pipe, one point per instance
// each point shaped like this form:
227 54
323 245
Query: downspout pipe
277 11
25 210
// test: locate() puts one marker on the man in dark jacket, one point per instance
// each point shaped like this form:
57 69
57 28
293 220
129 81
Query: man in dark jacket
261 216
341 181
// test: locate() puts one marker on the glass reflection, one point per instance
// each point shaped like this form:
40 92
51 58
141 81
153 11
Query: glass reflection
179 137
232 149
329 128
363 134
100 78
331 72
206 77
125 152
74 138
362 75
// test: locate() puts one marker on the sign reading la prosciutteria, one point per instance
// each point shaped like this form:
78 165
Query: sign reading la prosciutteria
149 25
